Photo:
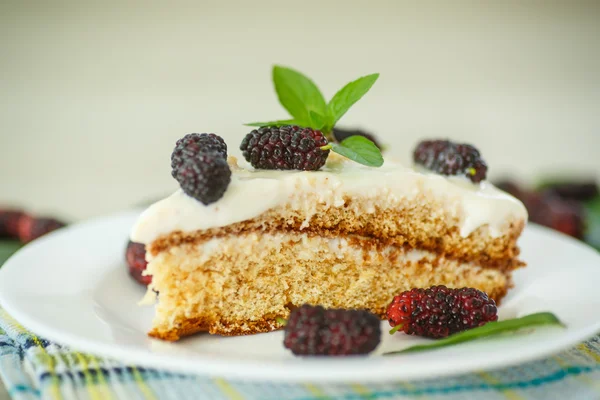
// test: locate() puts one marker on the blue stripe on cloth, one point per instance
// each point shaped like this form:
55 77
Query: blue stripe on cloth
22 389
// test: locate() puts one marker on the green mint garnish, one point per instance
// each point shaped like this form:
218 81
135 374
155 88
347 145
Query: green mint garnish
301 97
274 123
298 94
317 121
489 329
359 149
347 96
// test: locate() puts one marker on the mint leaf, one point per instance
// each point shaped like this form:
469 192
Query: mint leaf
348 95
359 149
273 123
489 329
298 94
317 121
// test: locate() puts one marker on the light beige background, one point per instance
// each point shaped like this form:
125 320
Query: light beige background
94 94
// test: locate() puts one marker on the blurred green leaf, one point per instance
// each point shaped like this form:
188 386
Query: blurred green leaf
592 232
7 249
490 329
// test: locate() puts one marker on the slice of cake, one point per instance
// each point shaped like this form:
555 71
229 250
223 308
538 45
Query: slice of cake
239 247
346 236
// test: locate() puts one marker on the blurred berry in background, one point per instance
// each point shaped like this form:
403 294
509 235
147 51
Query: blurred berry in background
18 228
18 225
571 207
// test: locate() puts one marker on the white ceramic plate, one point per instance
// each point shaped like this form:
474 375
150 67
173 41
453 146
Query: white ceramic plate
72 287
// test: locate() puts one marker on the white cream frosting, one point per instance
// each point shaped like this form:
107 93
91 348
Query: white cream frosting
252 192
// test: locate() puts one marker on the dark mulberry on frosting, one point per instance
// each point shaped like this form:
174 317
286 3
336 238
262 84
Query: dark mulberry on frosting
285 148
204 177
193 144
449 158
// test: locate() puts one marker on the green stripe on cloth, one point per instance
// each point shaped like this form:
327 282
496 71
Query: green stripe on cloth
32 368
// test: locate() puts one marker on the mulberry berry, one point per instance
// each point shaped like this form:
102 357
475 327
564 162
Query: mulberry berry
448 158
564 215
204 177
192 144
313 330
285 147
9 223
577 191
135 255
438 311
31 228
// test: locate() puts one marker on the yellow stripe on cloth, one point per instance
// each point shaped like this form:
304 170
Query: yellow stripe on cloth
89 379
582 347
227 389
137 377
103 387
47 358
412 388
55 389
508 393
362 391
315 391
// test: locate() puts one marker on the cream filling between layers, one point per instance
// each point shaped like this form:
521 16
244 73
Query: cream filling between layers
252 192
248 252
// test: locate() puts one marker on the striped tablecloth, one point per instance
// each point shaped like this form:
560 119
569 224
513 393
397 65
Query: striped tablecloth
32 368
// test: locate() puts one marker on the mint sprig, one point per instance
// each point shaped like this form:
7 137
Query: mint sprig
359 149
346 97
280 122
298 94
489 329
301 97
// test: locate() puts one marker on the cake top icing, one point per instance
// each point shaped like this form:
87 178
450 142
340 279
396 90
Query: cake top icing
252 192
